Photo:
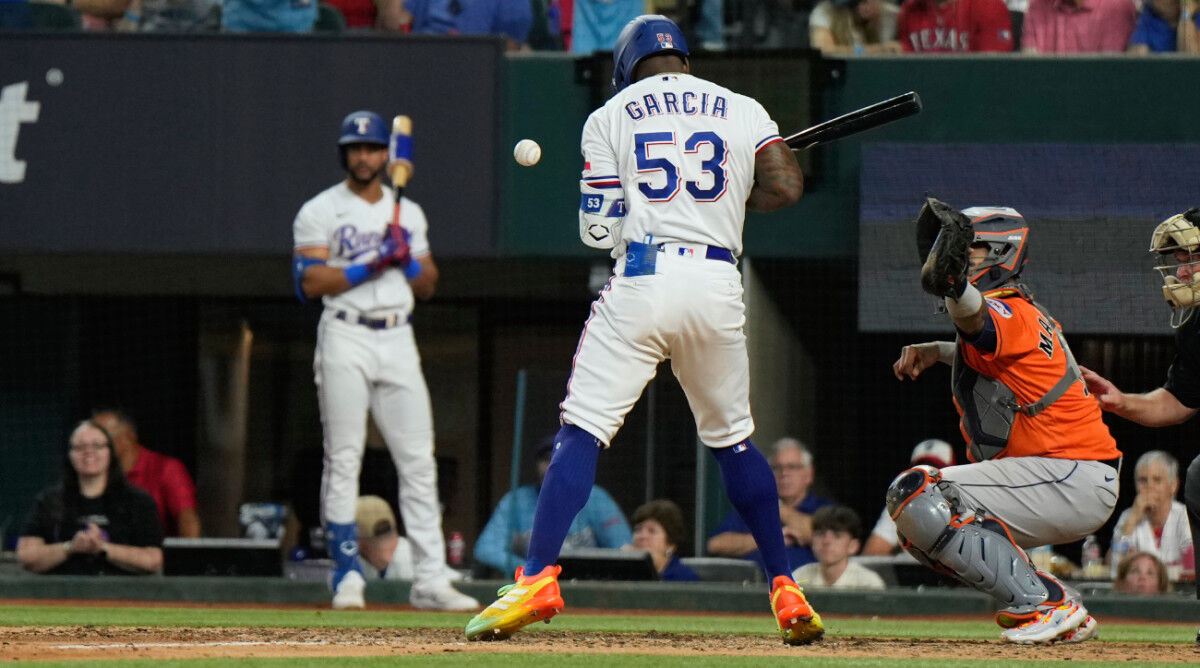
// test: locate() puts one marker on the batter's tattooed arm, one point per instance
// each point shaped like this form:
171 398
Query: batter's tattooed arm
778 180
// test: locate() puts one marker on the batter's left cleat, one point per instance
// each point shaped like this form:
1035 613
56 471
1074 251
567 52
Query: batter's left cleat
531 598
798 623
1051 626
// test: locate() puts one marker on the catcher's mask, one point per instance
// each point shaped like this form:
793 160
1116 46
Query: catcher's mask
1175 246
1005 234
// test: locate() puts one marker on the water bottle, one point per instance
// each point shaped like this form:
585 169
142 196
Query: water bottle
1091 559
1042 556
1122 547
456 549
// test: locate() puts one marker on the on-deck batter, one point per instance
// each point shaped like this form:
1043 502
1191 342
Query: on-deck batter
671 163
367 359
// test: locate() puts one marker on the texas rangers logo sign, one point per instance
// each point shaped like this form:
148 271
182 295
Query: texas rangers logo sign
665 41
363 123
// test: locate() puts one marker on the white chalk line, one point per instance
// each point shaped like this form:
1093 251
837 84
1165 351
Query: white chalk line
215 643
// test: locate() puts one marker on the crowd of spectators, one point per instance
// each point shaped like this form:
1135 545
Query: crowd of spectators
835 27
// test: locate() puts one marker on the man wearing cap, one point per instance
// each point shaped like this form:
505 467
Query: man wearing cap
883 540
505 539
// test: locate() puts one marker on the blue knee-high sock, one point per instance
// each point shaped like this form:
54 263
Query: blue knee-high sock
341 541
750 485
565 491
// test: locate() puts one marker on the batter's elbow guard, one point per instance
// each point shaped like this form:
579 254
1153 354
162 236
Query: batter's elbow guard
299 264
601 211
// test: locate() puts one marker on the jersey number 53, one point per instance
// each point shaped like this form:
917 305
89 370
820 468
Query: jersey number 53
646 143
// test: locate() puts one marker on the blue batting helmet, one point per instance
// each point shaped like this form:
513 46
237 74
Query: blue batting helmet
645 36
363 127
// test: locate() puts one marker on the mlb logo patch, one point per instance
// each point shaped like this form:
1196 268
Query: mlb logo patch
687 252
740 447
665 41
999 307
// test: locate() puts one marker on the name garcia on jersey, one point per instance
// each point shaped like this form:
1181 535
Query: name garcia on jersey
686 103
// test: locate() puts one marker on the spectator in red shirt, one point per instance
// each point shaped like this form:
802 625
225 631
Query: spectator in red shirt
164 478
954 26
1078 26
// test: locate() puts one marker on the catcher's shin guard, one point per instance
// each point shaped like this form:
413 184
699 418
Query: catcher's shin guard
977 550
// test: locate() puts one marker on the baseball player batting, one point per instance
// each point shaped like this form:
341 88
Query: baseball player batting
366 357
1044 468
671 163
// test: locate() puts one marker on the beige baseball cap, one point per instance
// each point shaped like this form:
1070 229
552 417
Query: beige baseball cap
374 517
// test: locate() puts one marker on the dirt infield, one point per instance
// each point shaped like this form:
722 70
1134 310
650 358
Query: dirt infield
90 643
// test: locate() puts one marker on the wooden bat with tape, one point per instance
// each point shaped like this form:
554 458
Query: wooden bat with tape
861 120
400 168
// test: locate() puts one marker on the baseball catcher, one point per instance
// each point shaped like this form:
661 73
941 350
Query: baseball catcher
1043 465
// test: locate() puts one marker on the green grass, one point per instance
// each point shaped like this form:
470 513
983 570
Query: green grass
744 624
683 624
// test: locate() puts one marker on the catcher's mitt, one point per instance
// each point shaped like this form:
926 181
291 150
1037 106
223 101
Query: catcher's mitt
944 237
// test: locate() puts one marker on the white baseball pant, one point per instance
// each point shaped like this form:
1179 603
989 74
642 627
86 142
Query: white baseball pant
357 368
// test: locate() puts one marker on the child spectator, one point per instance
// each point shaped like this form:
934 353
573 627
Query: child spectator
835 539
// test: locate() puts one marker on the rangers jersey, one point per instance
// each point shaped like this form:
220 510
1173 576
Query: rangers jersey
682 151
352 229
929 26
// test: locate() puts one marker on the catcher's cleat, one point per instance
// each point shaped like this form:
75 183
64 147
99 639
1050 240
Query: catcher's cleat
1050 626
1085 631
531 598
798 623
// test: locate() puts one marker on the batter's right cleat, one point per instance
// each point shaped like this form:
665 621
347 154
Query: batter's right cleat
798 623
349 591
1051 626
530 599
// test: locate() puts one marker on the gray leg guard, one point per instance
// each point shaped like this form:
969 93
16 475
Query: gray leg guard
977 550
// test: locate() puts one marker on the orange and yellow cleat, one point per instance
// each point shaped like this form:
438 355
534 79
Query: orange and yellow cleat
531 598
798 623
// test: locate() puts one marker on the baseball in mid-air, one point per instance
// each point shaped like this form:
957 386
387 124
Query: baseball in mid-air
527 152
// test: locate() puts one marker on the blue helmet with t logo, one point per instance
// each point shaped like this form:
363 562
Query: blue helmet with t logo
645 36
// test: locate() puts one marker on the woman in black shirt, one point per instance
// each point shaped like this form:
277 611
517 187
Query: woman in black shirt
93 522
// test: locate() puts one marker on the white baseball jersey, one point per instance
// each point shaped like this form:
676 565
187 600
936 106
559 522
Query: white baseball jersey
359 368
352 229
683 150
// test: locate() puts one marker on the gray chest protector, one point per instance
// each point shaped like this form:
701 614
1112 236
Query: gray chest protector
990 407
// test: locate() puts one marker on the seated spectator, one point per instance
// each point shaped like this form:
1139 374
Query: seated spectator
596 24
382 551
510 18
1159 27
835 539
657 529
793 466
1077 26
91 522
165 478
505 539
271 15
1156 522
172 16
1141 573
954 26
883 540
853 26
